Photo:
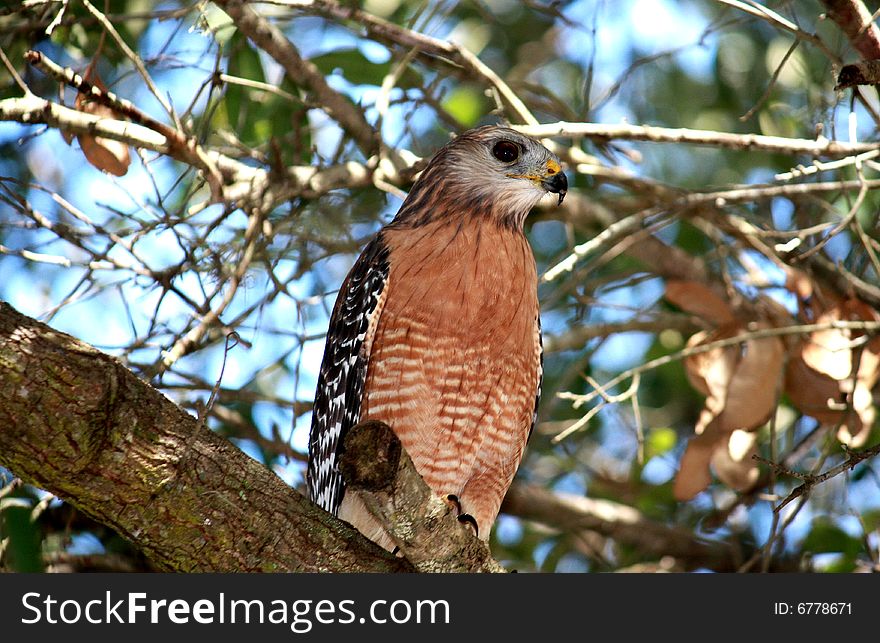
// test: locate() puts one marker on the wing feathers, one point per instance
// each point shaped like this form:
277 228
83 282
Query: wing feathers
344 371
540 340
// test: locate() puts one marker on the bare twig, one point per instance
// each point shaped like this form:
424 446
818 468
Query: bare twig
131 55
443 50
811 480
768 15
183 145
750 142
303 72
13 72
190 341
579 400
695 199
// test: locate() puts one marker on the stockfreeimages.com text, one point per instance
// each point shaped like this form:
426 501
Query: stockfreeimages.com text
301 615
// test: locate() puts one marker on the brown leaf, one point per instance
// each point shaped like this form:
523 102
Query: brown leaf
740 383
709 372
753 390
693 471
854 431
798 282
732 461
811 297
821 381
829 351
700 300
773 313
105 154
811 392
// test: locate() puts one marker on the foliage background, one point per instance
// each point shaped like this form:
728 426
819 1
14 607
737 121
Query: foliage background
132 264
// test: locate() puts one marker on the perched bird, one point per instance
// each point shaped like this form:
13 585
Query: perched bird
436 331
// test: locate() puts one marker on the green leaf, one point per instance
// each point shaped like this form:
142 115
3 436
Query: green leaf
871 520
23 550
357 69
244 62
827 538
660 441
841 565
465 105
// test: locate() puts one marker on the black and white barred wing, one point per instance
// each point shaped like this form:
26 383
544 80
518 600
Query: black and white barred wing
540 342
344 372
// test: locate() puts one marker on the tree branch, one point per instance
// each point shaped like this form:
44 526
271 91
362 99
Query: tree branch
270 39
421 524
773 18
622 523
183 146
747 142
392 34
244 185
75 422
32 110
811 480
856 22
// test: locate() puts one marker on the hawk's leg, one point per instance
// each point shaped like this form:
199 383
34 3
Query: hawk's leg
465 519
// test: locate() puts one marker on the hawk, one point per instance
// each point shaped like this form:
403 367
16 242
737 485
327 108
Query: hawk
436 331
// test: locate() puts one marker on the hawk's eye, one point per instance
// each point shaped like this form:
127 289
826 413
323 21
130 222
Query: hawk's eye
505 151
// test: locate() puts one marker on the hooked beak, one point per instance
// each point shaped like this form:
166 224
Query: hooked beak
554 180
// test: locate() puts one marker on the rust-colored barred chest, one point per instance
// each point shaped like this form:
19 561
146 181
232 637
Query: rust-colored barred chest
454 360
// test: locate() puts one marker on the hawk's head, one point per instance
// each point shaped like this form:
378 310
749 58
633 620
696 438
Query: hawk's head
491 171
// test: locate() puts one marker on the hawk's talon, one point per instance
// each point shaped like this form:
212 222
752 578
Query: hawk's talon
453 501
467 519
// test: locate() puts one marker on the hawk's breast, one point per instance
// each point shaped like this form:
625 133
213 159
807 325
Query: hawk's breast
454 363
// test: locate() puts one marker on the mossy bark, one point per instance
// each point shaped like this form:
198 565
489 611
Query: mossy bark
77 423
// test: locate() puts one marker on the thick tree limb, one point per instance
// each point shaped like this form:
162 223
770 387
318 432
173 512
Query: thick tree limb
625 525
75 422
855 21
423 526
